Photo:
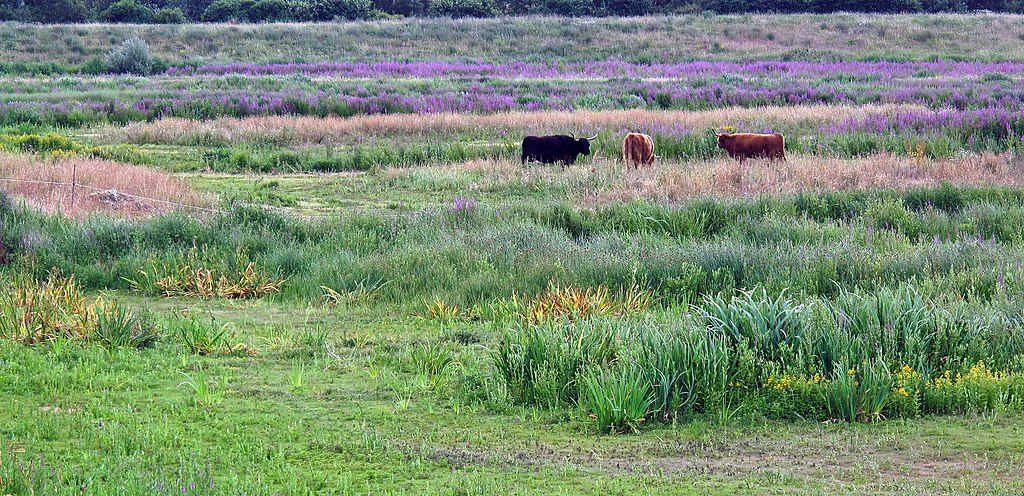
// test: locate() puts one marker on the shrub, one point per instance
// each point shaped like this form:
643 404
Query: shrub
228 10
56 11
328 10
628 7
574 8
131 57
271 11
169 16
128 11
462 8
94 66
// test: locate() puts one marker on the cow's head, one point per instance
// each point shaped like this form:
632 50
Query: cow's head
583 144
723 139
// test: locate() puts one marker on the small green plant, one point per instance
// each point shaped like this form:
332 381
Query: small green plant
118 327
432 359
443 312
206 393
313 340
860 395
363 291
296 376
202 338
618 400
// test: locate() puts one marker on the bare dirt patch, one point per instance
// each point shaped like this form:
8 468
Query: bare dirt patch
829 458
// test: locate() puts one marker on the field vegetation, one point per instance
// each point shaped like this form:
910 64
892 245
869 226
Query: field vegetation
307 275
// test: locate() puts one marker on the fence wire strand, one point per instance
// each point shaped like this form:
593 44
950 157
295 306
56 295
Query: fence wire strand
142 198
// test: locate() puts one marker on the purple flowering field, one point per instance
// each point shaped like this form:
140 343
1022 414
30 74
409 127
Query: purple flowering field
966 102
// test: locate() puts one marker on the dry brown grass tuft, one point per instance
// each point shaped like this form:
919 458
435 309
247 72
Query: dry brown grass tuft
726 178
338 130
606 180
97 181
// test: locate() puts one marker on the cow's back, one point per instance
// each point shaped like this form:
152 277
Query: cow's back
637 149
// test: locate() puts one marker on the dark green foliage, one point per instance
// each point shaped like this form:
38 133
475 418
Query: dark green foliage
328 10
170 16
193 9
129 11
70 11
462 8
627 7
227 10
53 11
270 11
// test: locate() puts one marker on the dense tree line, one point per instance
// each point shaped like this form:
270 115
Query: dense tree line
179 11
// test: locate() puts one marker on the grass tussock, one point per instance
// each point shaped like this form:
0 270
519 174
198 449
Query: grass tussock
198 282
103 186
575 303
34 312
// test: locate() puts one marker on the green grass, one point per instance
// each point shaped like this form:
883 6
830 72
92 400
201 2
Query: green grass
744 37
402 433
397 357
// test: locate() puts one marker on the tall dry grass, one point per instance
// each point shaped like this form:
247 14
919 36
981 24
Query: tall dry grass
606 180
101 186
285 130
804 173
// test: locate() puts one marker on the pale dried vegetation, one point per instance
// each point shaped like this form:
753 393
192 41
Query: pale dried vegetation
607 180
101 186
285 130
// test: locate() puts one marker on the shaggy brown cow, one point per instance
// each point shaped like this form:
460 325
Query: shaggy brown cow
638 149
742 146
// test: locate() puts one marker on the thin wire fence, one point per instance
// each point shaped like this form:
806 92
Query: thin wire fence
75 185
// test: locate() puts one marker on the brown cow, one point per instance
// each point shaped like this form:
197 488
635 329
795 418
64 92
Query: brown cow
638 149
742 146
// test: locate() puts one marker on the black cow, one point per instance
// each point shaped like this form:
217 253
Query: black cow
557 148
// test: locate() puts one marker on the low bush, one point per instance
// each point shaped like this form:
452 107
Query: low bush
131 57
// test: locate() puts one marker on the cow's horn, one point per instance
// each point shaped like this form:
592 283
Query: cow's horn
593 137
573 135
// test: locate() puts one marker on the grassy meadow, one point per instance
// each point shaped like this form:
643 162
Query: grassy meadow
306 259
